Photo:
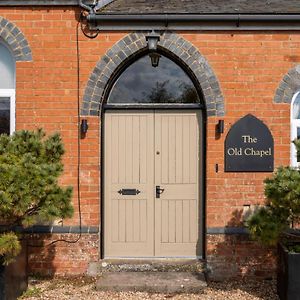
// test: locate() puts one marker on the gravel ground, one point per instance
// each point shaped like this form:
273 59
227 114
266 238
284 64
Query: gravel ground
84 288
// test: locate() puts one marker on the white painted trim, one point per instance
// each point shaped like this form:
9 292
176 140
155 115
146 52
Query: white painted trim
11 93
294 124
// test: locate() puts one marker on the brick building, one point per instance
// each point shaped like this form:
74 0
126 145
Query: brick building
154 82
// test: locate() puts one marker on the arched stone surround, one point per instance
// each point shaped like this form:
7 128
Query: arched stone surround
15 39
135 42
289 85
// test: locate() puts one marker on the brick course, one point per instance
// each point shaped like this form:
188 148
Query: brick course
250 68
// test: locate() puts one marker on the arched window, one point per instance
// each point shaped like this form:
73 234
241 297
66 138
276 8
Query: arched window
141 83
7 90
295 128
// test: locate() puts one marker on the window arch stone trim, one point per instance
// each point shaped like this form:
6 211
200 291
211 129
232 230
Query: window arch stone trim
135 42
15 39
288 86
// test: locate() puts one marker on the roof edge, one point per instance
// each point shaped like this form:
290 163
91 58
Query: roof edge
193 17
102 3
194 22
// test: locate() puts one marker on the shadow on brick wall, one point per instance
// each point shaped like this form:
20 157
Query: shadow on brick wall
237 256
41 255
70 254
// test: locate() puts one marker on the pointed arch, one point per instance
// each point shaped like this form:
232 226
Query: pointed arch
135 43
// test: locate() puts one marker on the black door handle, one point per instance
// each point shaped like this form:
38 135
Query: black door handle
158 191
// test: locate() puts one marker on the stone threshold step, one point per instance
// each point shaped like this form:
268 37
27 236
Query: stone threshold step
152 282
144 265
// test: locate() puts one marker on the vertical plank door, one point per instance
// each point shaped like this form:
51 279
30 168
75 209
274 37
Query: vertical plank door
129 165
177 173
145 150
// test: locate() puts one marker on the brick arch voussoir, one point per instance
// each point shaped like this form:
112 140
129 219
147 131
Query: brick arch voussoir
289 85
133 43
15 39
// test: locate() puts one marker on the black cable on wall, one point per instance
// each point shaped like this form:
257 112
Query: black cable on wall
78 146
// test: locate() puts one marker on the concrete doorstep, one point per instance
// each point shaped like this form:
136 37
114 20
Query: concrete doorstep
152 282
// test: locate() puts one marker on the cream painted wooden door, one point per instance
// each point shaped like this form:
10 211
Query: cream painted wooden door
145 150
177 173
129 164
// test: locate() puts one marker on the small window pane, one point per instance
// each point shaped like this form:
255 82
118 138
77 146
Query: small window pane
296 107
143 83
7 69
298 132
4 115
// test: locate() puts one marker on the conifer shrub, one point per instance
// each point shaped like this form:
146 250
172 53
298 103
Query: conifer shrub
30 165
272 222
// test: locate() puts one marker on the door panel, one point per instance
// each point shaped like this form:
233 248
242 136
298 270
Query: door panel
145 149
129 164
177 172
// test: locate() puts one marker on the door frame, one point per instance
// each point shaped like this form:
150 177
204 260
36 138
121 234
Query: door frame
202 161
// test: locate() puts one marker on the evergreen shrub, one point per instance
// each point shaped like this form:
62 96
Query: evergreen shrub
272 222
30 165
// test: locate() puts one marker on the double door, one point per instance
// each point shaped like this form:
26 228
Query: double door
151 182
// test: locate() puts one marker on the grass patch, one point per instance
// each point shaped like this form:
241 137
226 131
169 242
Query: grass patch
31 292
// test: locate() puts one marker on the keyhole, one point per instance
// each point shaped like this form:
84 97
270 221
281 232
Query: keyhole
157 152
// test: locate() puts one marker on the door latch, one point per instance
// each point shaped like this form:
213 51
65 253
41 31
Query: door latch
158 191
129 192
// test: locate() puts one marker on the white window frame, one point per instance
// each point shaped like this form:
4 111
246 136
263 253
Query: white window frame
11 94
295 123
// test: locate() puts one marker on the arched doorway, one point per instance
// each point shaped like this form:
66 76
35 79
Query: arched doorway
153 162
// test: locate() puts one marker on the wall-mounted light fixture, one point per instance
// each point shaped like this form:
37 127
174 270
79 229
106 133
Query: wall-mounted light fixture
153 39
84 126
220 127
154 56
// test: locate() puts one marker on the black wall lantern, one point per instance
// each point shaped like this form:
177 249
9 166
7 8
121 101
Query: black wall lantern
154 59
220 127
152 39
84 126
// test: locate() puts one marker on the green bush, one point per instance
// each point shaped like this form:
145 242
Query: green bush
282 207
30 165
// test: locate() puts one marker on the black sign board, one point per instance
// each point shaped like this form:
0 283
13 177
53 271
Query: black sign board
249 147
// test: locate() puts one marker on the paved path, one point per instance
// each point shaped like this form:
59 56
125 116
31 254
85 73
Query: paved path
154 282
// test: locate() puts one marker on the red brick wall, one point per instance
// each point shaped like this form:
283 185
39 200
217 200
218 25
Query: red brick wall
61 257
234 256
249 67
